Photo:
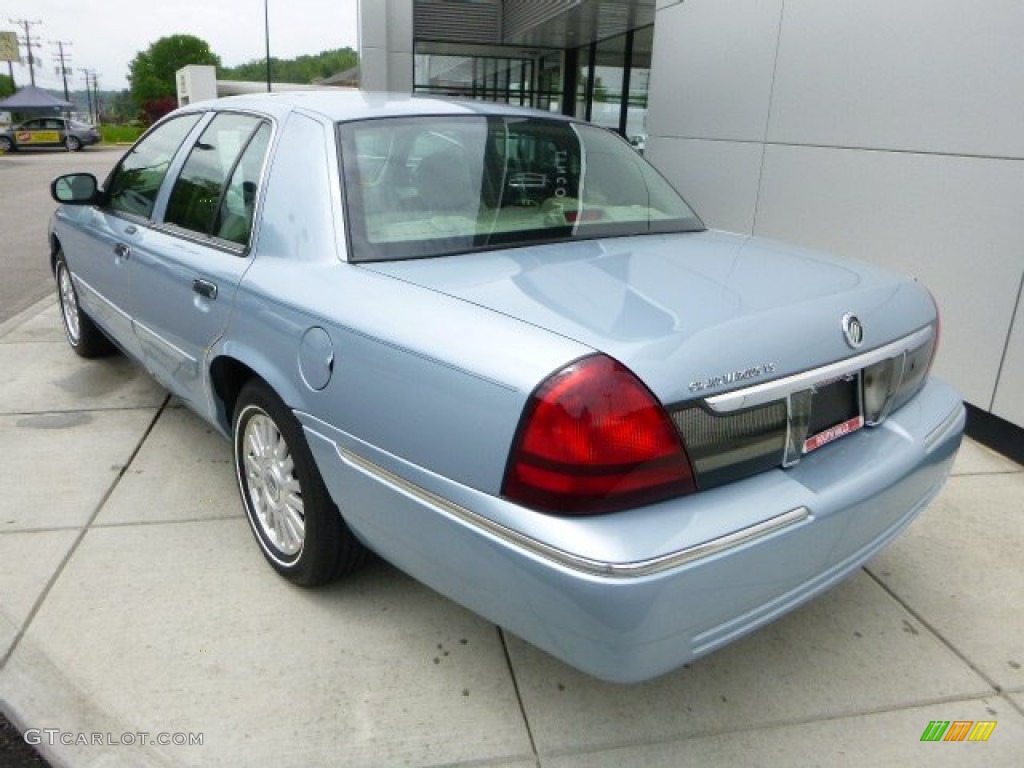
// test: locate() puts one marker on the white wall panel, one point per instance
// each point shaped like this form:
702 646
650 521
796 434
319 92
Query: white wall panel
373 69
399 31
944 219
385 45
1009 401
400 73
712 68
922 75
718 178
373 24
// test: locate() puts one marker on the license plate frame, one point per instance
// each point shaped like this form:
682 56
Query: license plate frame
837 410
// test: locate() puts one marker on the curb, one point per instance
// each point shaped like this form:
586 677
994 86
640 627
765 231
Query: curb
12 323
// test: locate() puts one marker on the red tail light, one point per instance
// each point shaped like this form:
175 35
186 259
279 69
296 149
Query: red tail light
594 439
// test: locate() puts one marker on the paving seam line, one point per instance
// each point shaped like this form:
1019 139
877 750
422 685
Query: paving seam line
997 690
81 535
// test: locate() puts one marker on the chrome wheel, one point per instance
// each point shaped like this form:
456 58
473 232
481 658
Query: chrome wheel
289 509
274 493
69 305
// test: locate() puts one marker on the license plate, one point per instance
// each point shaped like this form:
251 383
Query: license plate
835 412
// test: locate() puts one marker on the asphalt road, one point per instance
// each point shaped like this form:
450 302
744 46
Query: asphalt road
25 207
14 752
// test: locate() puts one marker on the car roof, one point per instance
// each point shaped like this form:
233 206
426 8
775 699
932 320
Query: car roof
340 105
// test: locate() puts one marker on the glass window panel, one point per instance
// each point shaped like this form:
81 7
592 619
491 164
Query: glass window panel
582 82
639 85
134 184
609 69
234 219
549 91
197 191
420 187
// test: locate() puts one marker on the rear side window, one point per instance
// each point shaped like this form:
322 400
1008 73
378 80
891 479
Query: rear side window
133 186
234 216
216 191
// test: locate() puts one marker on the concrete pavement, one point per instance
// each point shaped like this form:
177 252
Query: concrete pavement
134 600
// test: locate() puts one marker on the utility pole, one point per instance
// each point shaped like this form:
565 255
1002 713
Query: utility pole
87 74
29 42
63 59
96 96
266 32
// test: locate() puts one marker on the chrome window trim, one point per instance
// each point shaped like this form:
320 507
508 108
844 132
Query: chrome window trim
207 241
627 570
780 389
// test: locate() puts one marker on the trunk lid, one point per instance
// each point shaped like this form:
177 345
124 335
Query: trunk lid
706 308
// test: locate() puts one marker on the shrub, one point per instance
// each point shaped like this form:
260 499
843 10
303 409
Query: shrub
120 134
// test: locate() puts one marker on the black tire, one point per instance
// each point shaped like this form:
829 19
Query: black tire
73 143
282 491
6 145
84 337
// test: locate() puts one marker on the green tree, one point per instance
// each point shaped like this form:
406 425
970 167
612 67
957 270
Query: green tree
303 69
6 86
121 105
151 72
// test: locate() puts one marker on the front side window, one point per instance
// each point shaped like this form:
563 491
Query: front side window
198 200
133 185
431 186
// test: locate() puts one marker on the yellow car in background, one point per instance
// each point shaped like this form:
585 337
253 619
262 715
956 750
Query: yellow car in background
49 132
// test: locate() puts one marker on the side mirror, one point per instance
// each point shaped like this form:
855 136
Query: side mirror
76 189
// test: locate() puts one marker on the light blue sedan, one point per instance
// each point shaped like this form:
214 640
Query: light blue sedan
495 347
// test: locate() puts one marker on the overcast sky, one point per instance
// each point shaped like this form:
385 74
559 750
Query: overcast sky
106 34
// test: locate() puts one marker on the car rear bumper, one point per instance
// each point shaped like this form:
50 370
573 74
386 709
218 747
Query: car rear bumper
738 556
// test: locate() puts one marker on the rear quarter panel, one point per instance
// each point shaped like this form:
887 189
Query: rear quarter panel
416 375
419 375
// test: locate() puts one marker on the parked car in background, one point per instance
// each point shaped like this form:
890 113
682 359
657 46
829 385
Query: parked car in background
49 132
497 348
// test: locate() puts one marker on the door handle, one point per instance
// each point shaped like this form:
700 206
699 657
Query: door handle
205 288
122 251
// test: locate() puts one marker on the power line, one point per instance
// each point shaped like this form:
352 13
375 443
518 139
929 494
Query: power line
29 42
63 59
90 84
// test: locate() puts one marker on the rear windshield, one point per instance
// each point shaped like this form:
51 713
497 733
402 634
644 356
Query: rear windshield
431 186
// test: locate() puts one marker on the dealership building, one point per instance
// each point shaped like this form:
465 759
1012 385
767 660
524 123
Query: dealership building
890 132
